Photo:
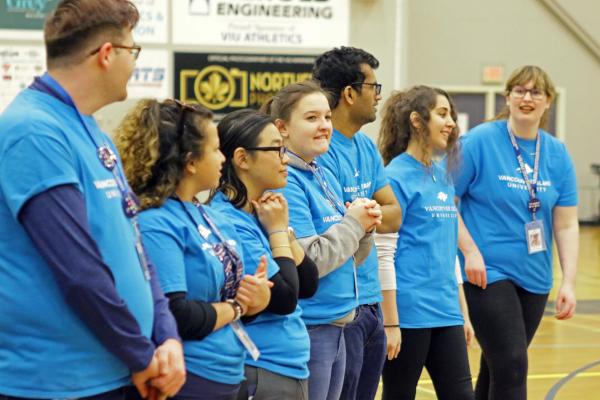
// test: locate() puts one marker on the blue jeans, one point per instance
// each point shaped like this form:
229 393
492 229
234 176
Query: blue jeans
327 362
365 353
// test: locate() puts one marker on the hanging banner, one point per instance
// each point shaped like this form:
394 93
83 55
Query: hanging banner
272 23
228 82
152 26
21 19
151 76
19 65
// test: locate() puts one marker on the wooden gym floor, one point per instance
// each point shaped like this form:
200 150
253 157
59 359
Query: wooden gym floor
564 357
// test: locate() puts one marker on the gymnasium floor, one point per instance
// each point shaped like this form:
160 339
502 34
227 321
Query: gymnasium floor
564 357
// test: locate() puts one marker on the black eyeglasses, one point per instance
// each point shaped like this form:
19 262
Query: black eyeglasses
520 92
134 50
376 86
280 149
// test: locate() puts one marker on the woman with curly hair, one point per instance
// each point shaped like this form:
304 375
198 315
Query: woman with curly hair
170 153
418 142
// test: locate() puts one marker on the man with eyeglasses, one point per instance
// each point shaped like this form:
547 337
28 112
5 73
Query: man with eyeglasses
348 74
82 313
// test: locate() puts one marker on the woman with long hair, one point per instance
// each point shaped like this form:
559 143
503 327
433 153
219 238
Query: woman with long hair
418 142
517 190
335 236
170 153
255 165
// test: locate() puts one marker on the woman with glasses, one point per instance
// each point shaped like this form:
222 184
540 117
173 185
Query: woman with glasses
255 164
333 235
418 142
170 153
517 189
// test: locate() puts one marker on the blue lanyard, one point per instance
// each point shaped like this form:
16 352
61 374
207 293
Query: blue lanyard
531 185
232 262
46 84
320 177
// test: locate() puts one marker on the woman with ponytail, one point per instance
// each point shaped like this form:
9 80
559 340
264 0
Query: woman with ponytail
255 164
335 236
170 153
418 142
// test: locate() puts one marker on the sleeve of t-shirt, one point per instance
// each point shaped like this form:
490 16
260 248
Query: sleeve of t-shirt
253 249
568 188
465 173
34 164
167 253
380 178
400 193
299 210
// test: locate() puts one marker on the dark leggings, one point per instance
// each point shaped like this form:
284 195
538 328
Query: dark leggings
505 318
442 351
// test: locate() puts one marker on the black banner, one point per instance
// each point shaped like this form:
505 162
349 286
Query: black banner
228 82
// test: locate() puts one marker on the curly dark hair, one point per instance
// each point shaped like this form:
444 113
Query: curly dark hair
340 67
397 130
155 141
241 128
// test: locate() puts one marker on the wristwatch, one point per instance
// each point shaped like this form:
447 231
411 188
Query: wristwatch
238 311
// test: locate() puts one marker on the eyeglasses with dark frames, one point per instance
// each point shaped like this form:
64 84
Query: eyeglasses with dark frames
520 92
134 50
376 86
280 149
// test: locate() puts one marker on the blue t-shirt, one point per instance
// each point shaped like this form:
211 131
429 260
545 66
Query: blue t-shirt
311 213
427 291
282 339
358 167
185 262
43 144
494 201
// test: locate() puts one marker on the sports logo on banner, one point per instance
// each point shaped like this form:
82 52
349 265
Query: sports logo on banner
227 82
272 23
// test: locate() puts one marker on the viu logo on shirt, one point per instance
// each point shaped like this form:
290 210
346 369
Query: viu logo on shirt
528 169
442 196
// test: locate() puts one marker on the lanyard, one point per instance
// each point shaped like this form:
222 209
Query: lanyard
320 177
232 263
534 203
107 157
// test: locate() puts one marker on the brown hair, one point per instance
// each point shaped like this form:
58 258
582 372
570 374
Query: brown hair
73 27
282 104
155 141
397 130
522 76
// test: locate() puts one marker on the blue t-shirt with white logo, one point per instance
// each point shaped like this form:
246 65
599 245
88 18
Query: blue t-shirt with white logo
45 348
494 201
427 292
311 213
358 167
282 339
186 262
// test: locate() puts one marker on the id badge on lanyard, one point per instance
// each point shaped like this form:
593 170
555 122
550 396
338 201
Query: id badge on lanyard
534 230
243 336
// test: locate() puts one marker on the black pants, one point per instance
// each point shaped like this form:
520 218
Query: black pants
117 394
442 351
505 318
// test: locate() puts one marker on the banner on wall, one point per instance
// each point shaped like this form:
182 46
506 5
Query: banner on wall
20 19
228 82
152 26
272 23
151 76
19 65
